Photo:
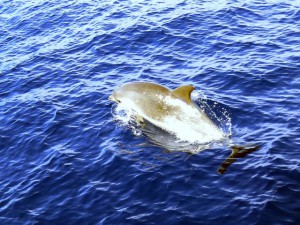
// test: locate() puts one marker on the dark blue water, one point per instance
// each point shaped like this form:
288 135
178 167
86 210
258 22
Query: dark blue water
65 160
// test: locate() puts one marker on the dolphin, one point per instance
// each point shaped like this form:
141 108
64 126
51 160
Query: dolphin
168 115
171 110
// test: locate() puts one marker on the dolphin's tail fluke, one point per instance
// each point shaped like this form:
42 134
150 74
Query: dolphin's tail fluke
237 152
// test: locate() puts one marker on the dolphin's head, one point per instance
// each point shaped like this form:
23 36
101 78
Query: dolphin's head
119 94
115 97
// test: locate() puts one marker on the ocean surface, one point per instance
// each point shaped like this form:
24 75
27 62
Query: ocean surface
66 159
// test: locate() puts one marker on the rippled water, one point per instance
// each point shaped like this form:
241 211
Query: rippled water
65 160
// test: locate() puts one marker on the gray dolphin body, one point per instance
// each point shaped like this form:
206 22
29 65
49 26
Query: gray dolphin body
171 110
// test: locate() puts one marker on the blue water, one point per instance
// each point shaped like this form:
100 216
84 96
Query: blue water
65 160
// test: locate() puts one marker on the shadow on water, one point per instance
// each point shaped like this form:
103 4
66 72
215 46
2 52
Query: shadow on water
170 143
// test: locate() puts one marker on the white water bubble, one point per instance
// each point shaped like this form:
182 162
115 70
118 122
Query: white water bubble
187 123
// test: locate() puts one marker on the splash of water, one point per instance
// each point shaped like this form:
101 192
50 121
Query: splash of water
184 125
218 114
126 118
189 124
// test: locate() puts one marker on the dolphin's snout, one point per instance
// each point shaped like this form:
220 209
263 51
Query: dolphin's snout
112 98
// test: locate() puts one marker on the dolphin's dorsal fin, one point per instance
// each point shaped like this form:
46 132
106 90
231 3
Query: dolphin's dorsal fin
184 93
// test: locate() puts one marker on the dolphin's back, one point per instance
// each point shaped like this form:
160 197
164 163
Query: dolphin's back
143 87
148 98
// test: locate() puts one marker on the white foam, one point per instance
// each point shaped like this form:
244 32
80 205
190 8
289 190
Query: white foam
187 124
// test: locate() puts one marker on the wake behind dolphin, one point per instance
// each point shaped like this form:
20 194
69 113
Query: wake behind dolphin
170 110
